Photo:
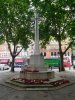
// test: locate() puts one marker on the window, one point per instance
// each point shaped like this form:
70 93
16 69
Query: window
54 53
51 53
44 53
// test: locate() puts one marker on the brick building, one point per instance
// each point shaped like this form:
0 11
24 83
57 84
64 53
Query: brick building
52 50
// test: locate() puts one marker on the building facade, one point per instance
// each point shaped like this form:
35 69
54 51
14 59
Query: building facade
51 51
5 54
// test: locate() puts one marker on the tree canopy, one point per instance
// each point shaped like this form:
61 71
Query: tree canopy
15 24
58 20
15 21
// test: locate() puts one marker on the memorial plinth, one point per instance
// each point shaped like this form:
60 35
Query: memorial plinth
42 75
37 69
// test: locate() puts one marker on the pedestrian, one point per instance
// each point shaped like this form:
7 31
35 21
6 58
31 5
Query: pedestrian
50 67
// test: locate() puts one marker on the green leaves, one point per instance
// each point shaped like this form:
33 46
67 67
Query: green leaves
57 16
2 39
15 20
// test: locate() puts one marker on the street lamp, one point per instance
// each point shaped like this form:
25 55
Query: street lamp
72 56
72 52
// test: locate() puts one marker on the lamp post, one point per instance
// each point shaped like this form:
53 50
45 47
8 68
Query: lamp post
72 52
72 55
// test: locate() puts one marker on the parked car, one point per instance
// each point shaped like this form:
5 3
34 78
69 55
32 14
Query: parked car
4 67
20 64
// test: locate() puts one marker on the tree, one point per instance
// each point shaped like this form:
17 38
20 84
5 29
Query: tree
15 25
57 22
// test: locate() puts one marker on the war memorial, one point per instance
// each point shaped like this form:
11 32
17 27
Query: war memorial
37 75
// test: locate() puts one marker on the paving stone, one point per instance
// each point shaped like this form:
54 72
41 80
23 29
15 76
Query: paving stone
65 93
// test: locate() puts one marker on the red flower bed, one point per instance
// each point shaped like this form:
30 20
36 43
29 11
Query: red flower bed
42 81
29 81
59 82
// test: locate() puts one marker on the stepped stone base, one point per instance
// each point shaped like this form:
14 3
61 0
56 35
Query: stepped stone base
37 75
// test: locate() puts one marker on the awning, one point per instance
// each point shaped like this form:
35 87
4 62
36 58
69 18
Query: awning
19 60
4 61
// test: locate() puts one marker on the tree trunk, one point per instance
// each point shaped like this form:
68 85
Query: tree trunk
61 63
12 65
61 67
